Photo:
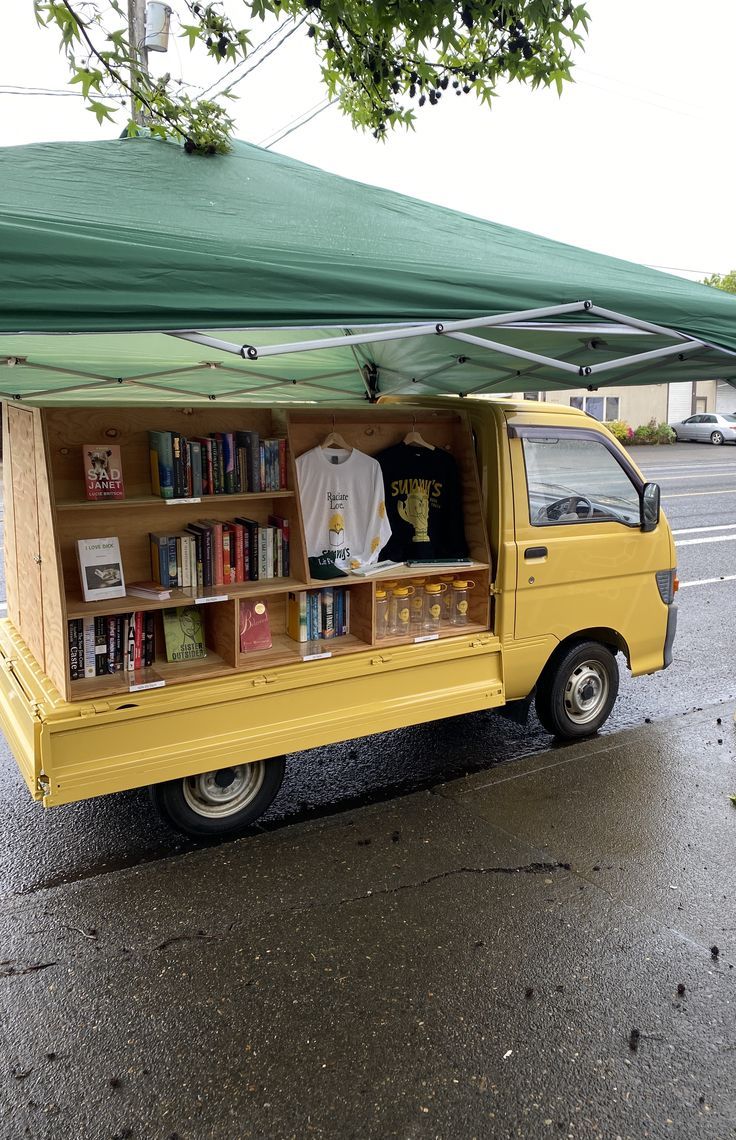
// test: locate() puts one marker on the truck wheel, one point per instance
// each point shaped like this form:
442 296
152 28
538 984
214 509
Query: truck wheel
214 805
577 691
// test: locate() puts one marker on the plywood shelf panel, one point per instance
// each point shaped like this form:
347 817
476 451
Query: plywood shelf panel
76 607
154 501
170 672
286 651
426 635
432 570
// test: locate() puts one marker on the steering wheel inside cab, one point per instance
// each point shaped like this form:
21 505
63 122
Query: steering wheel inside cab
569 509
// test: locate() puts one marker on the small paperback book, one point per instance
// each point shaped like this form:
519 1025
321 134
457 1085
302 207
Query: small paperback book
100 569
103 475
184 634
255 629
149 589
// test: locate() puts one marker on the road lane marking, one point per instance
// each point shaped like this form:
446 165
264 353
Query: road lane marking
683 478
708 581
722 465
699 529
713 538
692 494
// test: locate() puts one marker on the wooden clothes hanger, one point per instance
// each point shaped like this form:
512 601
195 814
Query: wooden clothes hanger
334 439
413 436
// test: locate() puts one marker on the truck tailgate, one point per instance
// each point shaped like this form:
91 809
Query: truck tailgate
95 747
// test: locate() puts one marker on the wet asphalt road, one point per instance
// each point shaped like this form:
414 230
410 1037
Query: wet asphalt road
699 491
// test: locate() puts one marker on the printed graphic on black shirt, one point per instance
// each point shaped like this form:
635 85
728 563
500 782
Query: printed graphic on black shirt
423 502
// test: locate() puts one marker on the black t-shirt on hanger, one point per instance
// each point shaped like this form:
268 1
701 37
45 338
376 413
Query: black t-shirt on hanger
424 503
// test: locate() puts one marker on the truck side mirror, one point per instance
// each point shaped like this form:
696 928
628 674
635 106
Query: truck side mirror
650 506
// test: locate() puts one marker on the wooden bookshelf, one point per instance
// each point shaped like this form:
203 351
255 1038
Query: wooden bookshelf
45 516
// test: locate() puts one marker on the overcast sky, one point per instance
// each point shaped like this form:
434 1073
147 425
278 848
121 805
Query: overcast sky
635 160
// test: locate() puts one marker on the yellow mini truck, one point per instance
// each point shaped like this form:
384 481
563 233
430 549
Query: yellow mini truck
570 564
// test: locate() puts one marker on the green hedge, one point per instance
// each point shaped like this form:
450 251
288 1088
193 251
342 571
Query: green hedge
646 433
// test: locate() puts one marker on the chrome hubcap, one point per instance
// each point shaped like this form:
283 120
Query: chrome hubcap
586 692
225 791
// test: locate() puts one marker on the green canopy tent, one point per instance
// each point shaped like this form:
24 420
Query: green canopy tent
131 270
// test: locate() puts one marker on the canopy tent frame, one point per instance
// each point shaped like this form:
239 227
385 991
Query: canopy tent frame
257 383
456 331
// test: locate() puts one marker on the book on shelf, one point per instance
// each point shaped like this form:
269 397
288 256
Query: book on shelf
184 633
117 643
212 552
90 649
282 547
174 560
249 443
255 628
75 649
100 569
162 463
223 463
103 473
296 615
195 452
149 589
314 615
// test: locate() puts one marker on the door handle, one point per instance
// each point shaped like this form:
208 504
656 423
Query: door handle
535 552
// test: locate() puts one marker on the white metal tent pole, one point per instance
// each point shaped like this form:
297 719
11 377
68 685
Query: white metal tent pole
634 322
642 357
251 352
518 353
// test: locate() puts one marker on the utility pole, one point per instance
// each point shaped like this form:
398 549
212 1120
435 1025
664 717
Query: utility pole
137 35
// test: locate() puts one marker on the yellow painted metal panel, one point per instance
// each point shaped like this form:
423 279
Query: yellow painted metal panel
20 722
165 735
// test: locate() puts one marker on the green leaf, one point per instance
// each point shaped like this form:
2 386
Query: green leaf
89 80
192 32
100 111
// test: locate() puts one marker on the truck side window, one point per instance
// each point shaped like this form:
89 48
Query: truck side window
577 481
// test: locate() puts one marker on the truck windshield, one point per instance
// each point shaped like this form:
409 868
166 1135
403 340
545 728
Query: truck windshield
577 481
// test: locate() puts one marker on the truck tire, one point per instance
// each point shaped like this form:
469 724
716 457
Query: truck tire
222 803
577 690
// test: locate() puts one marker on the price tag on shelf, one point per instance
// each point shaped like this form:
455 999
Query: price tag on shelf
214 598
315 656
146 685
426 637
175 502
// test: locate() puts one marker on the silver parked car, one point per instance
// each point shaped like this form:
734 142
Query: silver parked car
708 427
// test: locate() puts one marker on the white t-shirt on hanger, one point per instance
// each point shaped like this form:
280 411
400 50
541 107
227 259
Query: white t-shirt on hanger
342 500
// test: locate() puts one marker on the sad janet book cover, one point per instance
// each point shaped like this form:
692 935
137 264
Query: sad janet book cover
103 474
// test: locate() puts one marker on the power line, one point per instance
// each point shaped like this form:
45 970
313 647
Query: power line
254 51
267 138
289 129
13 90
258 62
679 269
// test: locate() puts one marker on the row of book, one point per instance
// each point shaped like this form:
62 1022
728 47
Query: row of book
118 643
215 553
224 463
312 615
